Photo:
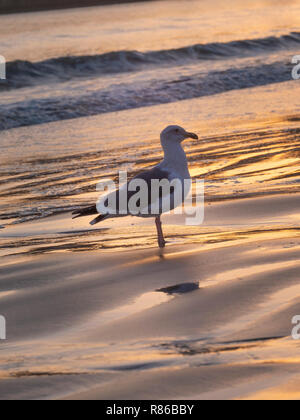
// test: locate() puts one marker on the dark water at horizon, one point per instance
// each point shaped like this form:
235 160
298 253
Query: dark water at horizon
19 6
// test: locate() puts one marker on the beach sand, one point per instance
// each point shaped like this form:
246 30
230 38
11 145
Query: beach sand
210 319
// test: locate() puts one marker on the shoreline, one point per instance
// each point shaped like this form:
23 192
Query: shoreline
23 6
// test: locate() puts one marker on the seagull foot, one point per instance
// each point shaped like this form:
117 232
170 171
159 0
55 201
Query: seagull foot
161 243
160 235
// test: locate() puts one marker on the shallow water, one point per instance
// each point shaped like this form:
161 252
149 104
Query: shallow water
44 174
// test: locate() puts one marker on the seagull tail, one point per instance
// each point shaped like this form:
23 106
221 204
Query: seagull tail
98 219
89 211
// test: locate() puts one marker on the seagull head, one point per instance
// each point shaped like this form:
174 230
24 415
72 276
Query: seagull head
177 134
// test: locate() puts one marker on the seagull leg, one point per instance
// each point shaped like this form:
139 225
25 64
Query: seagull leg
160 235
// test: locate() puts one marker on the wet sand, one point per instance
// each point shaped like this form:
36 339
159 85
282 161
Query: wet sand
211 319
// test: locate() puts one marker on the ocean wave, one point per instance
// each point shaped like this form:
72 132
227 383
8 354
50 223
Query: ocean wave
25 73
133 95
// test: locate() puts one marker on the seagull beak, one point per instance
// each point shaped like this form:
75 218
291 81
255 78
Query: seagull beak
192 136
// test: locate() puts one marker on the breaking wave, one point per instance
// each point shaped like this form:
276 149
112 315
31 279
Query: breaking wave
134 95
25 73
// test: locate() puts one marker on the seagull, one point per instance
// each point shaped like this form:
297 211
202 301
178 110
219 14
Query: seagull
174 167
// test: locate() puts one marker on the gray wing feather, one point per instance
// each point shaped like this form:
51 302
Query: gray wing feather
147 176
154 173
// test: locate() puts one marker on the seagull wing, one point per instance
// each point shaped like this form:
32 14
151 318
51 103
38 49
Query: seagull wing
114 202
155 173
